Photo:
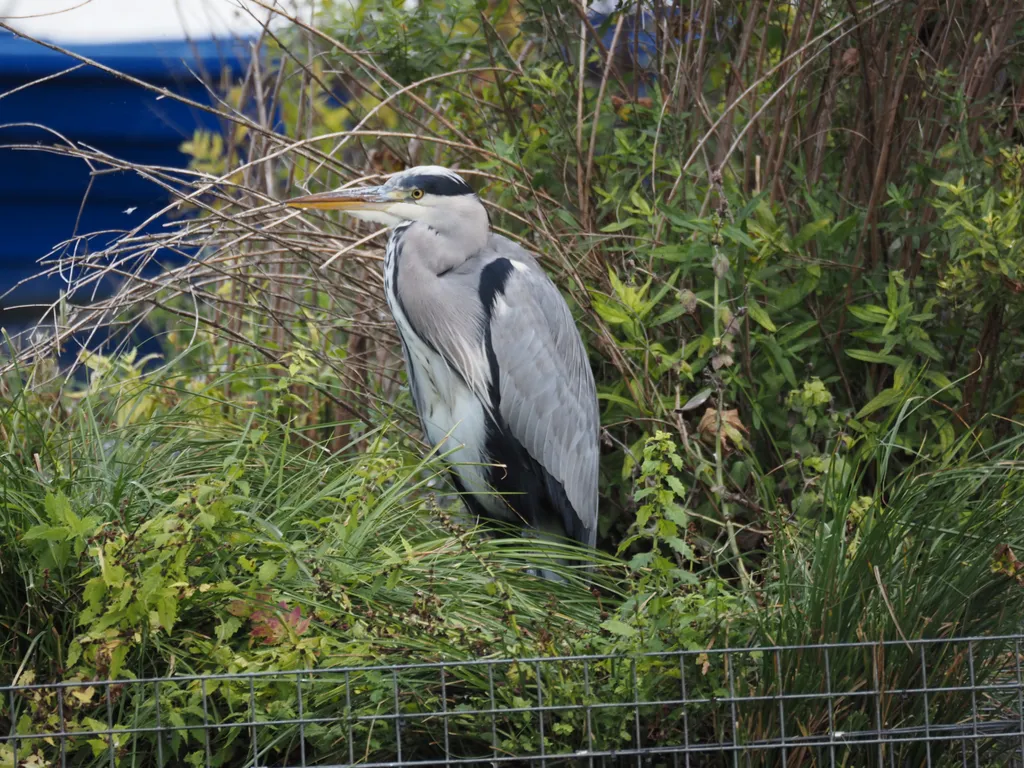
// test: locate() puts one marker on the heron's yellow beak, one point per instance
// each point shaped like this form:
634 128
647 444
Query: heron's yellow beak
357 199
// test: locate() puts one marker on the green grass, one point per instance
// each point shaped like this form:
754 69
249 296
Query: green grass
923 558
153 529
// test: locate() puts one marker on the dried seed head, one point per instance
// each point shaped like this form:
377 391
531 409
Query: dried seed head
720 265
689 300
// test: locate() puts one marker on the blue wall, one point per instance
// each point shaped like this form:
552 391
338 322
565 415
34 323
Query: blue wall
41 194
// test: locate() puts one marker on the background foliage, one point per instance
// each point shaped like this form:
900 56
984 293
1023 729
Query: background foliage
791 234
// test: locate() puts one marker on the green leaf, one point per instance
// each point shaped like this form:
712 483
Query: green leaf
870 313
811 230
926 348
892 291
795 294
610 312
167 612
641 560
869 356
843 229
939 379
780 360
117 658
58 508
46 533
760 316
619 628
738 236
682 548
883 399
677 515
267 572
74 654
669 314
618 226
676 485
227 628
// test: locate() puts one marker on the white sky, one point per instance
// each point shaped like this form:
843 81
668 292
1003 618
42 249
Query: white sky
105 21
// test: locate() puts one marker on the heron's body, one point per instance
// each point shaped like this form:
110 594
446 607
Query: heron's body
496 367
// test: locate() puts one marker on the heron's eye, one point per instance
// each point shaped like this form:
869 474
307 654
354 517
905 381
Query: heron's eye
417 194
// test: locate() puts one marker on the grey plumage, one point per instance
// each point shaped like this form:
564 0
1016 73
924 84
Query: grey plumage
498 372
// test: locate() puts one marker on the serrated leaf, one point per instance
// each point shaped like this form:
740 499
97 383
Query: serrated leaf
267 572
641 560
167 612
227 628
676 485
74 654
677 515
117 658
58 509
46 533
684 576
682 548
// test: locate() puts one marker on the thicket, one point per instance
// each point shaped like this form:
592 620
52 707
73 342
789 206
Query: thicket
791 234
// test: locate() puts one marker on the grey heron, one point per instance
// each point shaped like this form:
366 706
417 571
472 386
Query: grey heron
496 366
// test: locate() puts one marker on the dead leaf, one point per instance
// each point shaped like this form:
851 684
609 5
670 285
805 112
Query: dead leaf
1005 561
733 428
704 662
721 360
83 695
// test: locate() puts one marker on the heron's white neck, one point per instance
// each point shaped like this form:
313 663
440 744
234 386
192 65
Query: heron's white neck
461 221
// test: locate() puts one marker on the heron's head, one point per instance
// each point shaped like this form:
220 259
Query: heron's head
431 194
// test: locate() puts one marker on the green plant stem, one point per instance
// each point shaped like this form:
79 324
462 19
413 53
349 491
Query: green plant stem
719 469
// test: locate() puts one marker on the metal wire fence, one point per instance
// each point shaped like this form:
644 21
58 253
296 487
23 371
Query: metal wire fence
917 703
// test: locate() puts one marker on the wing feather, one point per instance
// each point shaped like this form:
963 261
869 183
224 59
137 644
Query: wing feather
548 397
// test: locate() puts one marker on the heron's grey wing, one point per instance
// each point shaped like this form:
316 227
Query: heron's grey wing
548 397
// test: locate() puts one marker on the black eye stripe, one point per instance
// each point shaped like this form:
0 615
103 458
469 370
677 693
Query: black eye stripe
438 185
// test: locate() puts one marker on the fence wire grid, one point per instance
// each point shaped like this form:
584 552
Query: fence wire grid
935 702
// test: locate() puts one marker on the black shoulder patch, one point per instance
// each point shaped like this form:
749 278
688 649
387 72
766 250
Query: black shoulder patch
493 279
437 184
